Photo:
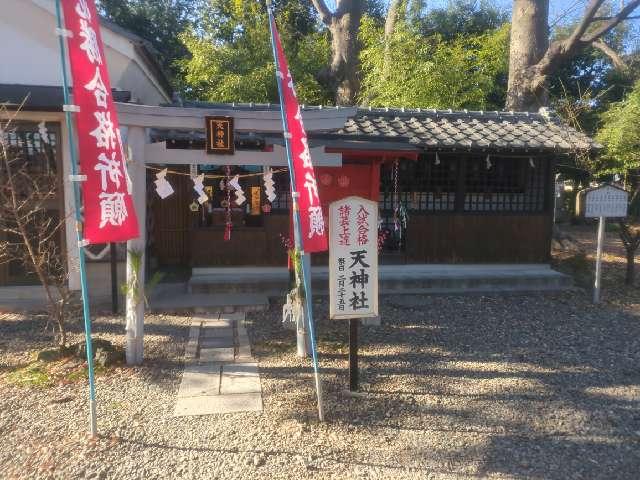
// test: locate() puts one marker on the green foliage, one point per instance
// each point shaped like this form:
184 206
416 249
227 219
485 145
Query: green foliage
620 134
231 57
33 375
132 288
468 71
159 21
459 17
582 87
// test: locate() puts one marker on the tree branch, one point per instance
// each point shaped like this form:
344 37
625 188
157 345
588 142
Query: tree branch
612 23
392 17
325 14
616 59
563 49
584 24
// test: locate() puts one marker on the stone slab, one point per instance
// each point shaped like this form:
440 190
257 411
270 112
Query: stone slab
224 342
223 323
249 369
236 316
198 380
240 378
217 332
216 354
212 404
243 351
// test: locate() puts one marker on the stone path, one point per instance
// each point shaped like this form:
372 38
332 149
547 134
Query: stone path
220 375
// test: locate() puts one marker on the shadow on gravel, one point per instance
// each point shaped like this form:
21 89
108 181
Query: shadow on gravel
551 382
552 458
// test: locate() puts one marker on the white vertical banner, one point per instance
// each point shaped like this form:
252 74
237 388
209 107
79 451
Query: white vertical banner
353 258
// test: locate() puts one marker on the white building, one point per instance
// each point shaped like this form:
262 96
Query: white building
30 71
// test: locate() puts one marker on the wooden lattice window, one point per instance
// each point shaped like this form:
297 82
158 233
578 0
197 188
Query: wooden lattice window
425 185
504 184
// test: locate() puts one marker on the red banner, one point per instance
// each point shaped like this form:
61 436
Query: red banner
314 237
109 215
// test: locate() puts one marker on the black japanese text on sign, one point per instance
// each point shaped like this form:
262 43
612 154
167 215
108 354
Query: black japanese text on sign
353 258
220 135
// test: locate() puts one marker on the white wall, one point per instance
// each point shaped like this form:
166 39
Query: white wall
29 52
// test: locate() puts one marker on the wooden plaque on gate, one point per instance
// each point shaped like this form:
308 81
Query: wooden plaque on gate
220 135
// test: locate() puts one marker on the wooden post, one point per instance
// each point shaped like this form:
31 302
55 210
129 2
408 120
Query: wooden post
353 354
596 288
135 306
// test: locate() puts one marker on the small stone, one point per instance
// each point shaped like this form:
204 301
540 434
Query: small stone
258 460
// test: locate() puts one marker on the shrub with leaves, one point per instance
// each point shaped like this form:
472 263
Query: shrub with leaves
414 70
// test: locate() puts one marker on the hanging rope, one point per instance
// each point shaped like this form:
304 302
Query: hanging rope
186 174
229 224
396 198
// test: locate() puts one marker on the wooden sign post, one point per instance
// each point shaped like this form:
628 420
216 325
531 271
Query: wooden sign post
602 202
353 268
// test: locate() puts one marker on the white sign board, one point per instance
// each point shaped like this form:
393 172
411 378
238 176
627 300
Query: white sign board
353 258
606 201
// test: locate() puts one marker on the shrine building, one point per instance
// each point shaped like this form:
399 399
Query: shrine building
453 187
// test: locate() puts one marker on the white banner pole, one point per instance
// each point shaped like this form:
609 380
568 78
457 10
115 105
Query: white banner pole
596 288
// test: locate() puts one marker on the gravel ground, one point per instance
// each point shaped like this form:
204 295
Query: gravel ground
544 387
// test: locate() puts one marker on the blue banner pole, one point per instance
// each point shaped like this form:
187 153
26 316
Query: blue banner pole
297 232
78 217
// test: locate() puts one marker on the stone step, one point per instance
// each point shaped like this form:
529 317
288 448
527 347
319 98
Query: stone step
396 279
224 303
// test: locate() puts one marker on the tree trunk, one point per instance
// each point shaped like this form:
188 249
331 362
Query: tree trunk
529 42
389 28
631 274
345 50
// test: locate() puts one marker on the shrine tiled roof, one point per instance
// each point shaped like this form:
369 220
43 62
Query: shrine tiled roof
469 130
436 130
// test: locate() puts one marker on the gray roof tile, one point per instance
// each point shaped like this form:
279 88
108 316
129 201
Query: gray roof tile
510 131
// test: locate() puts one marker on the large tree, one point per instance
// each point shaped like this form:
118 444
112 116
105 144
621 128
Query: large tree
342 74
533 58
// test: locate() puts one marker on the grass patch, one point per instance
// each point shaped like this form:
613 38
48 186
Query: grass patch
33 375
82 373
39 374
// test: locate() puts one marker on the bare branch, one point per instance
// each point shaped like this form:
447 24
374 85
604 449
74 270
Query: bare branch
584 24
599 19
609 25
615 58
325 14
560 50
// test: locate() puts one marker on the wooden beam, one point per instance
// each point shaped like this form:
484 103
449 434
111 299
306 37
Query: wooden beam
158 153
245 120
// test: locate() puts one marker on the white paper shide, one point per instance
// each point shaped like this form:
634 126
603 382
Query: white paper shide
353 258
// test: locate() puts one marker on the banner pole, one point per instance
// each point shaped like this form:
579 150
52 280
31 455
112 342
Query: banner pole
78 217
306 279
